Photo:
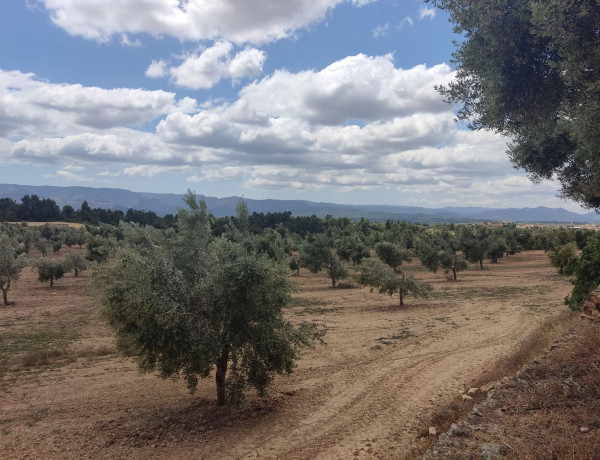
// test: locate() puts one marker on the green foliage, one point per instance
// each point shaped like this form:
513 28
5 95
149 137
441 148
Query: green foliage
50 269
441 251
11 265
496 248
76 262
99 247
383 277
529 70
316 255
184 304
42 245
352 248
586 273
562 255
392 254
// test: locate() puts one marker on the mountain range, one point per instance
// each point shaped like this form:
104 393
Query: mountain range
165 203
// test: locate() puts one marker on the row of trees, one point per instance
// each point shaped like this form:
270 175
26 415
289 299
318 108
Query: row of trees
35 209
188 299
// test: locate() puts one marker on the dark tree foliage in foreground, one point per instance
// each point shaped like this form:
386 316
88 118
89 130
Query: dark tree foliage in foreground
531 70
586 273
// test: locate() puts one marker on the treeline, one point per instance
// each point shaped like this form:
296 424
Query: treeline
35 209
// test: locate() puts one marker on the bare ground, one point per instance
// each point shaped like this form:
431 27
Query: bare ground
64 393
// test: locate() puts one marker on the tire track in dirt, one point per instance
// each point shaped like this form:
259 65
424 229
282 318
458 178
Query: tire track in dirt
368 401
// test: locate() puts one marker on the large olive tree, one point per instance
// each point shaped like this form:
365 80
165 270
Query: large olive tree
183 304
531 70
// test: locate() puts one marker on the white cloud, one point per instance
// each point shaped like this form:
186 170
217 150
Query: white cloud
151 170
357 87
157 69
240 21
425 12
407 20
381 31
31 108
128 43
360 124
67 175
204 70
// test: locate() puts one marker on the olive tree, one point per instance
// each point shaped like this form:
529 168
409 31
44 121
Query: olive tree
316 255
76 262
560 257
185 304
392 254
529 70
11 265
383 277
50 269
586 272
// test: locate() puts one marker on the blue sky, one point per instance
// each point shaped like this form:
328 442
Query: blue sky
322 100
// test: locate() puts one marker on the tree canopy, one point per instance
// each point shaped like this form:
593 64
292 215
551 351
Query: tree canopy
184 303
531 70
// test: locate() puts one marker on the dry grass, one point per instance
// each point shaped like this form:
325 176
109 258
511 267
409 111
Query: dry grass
526 351
558 414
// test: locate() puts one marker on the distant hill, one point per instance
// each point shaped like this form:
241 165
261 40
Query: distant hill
165 203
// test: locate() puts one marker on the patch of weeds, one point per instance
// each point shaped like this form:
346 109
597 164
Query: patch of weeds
376 347
304 302
90 353
5 431
447 320
405 333
37 416
533 306
38 347
319 310
41 357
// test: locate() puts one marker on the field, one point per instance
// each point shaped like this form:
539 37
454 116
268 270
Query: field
65 393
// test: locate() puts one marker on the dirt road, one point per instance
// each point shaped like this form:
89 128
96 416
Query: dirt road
359 396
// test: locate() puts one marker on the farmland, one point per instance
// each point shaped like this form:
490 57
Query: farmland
64 391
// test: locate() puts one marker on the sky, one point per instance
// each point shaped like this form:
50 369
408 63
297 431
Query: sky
320 100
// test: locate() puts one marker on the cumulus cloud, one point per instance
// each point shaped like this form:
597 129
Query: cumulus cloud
157 69
357 87
240 21
359 124
32 107
204 70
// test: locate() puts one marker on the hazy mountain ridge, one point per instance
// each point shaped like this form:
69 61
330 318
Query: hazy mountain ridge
164 203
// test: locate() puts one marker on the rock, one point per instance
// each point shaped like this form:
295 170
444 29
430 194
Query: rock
466 397
457 430
146 435
491 451
473 392
584 429
487 387
594 296
477 412
432 431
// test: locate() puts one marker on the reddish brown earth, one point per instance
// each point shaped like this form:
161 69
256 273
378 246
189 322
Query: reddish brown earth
65 393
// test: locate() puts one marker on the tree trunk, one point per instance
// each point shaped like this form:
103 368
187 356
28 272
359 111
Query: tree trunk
481 264
221 374
5 295
401 298
454 273
76 271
